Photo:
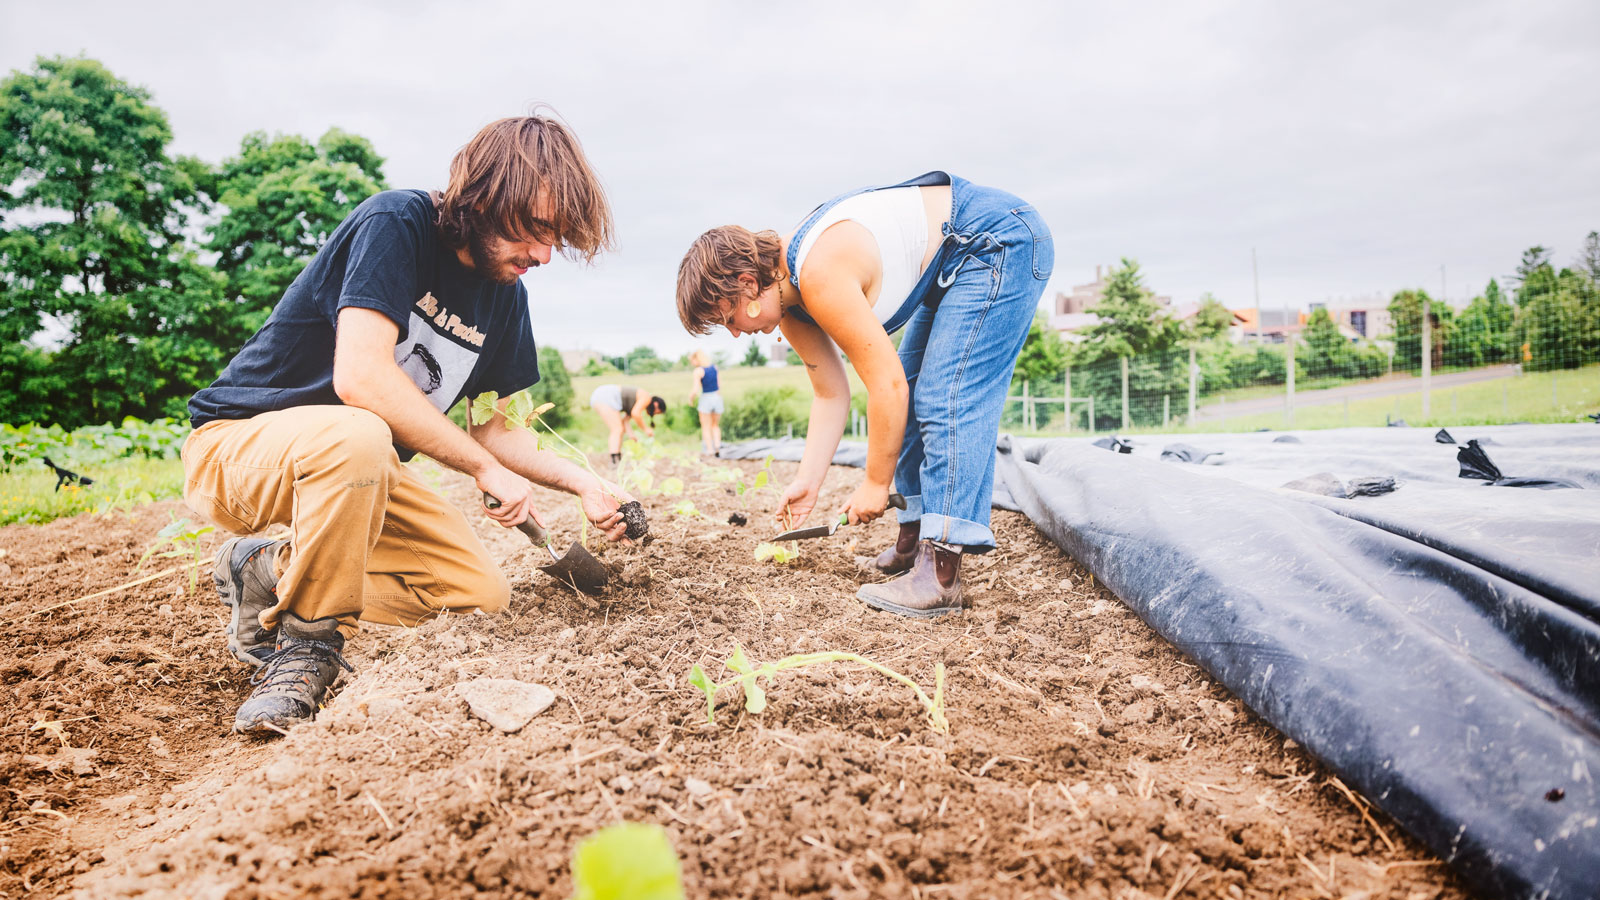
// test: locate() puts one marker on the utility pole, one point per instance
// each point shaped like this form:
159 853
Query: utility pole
1255 273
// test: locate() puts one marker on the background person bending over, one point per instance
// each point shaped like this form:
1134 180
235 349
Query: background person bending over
620 405
961 268
414 302
710 404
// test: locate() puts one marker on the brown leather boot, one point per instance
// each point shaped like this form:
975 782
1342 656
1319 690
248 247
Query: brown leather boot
899 557
931 589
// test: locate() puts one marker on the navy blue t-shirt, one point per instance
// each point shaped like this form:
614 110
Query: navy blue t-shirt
460 334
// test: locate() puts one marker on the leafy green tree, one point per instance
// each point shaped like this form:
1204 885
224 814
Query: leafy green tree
754 356
1211 321
92 212
597 367
554 386
1326 349
1533 259
1483 332
642 360
283 197
1588 262
1132 324
1558 319
1044 354
1406 311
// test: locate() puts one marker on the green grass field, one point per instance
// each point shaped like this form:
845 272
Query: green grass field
28 495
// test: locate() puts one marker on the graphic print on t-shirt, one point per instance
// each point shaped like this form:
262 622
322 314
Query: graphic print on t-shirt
438 352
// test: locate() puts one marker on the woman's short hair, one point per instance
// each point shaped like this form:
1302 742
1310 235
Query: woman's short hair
699 359
709 273
500 178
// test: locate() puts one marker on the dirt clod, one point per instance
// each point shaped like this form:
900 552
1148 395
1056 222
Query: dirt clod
738 518
638 524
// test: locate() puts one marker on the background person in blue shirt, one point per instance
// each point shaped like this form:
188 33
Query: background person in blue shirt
709 403
413 303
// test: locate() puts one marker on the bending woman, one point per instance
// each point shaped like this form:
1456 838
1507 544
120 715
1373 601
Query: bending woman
710 402
961 268
620 405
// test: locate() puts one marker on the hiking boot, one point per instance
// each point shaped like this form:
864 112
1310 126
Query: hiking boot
248 583
899 557
295 679
931 589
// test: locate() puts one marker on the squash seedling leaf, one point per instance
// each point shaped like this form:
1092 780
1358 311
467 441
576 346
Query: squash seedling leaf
626 861
483 407
699 678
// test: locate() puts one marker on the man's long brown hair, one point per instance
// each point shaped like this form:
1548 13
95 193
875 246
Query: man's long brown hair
499 179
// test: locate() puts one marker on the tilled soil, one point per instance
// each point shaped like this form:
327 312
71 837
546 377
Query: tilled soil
1085 756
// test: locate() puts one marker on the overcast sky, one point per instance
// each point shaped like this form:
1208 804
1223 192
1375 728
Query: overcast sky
1358 147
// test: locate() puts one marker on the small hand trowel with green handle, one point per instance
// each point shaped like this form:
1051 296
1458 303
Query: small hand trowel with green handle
816 531
577 568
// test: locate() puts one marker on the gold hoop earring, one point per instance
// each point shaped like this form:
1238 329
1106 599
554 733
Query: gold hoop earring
752 309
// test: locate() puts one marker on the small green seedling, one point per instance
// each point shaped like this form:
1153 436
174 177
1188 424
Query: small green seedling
759 482
671 487
626 861
184 540
687 509
778 553
755 697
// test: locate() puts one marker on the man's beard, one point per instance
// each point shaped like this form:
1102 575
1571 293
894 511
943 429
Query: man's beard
499 268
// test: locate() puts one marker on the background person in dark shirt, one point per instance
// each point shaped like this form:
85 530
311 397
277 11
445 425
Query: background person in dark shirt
413 303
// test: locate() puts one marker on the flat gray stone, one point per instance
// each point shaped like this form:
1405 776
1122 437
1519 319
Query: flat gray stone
506 703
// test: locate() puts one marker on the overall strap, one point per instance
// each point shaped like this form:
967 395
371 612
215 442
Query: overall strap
927 179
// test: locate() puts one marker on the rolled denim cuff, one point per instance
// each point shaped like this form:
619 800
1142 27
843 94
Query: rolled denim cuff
974 536
912 512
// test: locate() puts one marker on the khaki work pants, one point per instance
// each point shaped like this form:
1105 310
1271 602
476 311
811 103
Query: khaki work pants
368 540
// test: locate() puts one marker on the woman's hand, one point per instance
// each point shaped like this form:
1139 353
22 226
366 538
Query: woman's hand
798 501
867 503
600 501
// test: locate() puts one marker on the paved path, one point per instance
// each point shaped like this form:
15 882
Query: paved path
1380 387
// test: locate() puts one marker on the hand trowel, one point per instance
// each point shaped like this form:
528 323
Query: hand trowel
577 568
817 531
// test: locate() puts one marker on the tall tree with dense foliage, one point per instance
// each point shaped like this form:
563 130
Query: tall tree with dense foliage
1211 320
91 220
1044 354
1131 324
1406 311
1558 319
1588 261
554 386
283 196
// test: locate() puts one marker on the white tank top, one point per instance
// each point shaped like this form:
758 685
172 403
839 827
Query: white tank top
898 222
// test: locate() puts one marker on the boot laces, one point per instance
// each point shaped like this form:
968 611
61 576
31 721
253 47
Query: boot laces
293 661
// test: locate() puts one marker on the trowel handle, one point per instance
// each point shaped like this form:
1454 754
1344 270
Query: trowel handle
897 501
528 526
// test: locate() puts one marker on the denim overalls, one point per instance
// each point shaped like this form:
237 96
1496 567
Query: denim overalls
965 323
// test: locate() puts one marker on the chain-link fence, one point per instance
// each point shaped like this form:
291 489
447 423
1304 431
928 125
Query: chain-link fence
1489 363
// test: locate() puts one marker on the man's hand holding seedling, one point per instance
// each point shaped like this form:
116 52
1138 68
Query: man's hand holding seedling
600 502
